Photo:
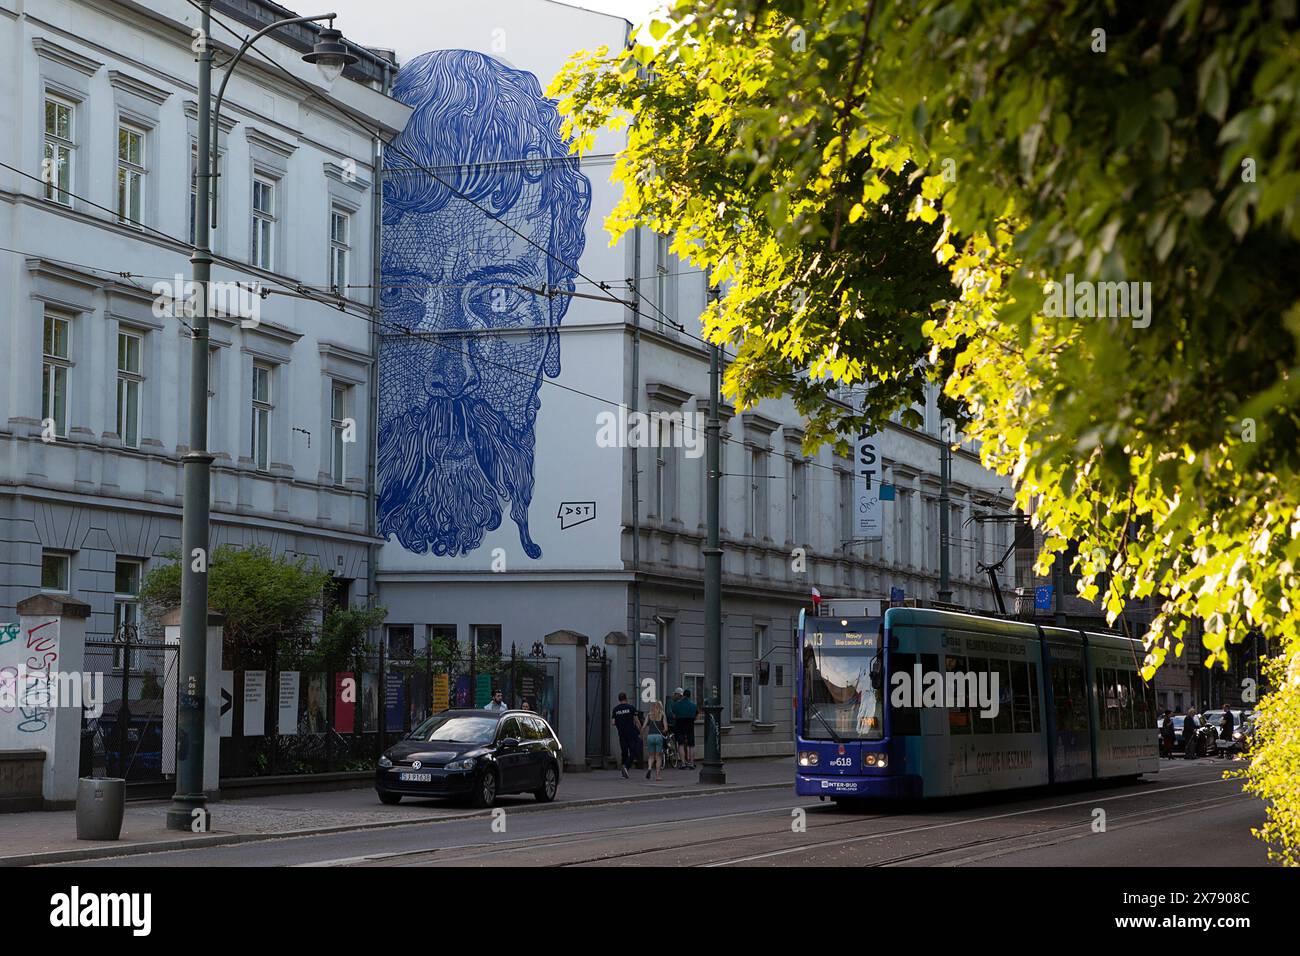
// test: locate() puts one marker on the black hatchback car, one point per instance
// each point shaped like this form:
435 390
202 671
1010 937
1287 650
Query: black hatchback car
473 754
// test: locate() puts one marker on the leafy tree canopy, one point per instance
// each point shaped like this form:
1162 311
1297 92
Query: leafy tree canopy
1046 147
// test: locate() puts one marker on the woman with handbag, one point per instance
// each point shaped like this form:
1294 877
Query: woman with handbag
654 730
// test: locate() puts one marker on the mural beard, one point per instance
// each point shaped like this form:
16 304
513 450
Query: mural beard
445 471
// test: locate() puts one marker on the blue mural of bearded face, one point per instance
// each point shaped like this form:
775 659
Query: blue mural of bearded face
497 206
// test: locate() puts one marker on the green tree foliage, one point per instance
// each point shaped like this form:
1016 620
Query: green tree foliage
1082 141
269 602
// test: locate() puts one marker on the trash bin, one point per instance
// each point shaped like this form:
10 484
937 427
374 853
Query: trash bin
101 801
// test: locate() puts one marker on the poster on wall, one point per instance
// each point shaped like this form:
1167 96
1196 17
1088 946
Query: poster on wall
254 703
867 469
287 718
345 702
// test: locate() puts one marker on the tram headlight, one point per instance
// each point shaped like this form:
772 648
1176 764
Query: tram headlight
881 760
808 758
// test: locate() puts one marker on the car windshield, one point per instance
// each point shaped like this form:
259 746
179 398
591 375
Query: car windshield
456 729
841 702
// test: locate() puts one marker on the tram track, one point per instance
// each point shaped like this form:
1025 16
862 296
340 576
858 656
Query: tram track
488 852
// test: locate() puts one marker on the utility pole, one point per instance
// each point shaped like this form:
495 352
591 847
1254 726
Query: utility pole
188 806
188 810
712 770
945 478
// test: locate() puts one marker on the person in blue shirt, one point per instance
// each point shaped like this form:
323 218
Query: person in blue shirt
684 712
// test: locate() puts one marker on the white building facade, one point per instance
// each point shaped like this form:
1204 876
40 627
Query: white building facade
533 526
98 98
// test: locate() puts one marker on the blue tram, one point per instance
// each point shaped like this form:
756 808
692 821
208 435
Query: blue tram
931 703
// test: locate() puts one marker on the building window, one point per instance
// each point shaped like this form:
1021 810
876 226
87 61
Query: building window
799 501
55 370
487 638
129 383
340 247
664 286
56 169
695 684
55 571
742 697
665 476
442 637
262 407
903 528
130 174
263 223
338 431
401 642
214 369
126 607
762 701
931 533
758 493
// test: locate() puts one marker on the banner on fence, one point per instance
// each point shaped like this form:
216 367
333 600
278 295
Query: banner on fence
227 703
345 702
287 719
441 693
314 708
394 701
483 690
369 703
254 703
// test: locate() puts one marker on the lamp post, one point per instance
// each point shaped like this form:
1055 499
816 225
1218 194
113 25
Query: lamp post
188 809
712 771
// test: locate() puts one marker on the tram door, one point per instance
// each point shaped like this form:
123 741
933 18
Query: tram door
1071 726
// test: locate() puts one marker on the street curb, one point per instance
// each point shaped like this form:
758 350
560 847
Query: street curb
233 839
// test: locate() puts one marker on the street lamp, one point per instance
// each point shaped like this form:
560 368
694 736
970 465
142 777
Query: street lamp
188 810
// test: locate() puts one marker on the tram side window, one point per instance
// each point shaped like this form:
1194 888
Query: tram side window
903 720
1023 720
1004 722
979 668
1146 717
1071 698
1108 698
959 721
1124 680
1033 698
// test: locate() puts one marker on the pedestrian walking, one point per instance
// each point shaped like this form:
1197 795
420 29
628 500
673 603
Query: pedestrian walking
685 712
497 703
655 730
628 723
1167 735
670 711
1225 732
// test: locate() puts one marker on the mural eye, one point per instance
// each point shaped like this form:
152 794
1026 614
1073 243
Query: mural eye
494 303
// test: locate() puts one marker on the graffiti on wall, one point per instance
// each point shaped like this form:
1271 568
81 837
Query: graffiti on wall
27 676
484 221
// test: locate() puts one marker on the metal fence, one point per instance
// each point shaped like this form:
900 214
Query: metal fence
134 736
278 721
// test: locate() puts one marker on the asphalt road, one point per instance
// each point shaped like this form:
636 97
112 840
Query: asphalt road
1186 816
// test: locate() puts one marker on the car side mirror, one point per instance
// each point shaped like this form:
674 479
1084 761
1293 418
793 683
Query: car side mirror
877 673
510 743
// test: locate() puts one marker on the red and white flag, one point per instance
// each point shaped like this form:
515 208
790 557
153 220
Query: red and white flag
816 596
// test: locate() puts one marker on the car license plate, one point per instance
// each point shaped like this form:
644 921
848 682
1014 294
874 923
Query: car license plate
410 776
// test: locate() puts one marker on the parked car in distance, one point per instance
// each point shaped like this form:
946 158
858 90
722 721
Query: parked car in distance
1205 735
475 755
1241 730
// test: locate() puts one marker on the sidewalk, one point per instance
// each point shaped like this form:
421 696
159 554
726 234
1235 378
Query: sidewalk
51 837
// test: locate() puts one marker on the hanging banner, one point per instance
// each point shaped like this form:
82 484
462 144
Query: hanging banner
394 702
867 471
227 703
345 702
441 693
287 720
313 713
482 690
254 703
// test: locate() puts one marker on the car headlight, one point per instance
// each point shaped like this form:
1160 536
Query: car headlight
808 758
384 763
1237 735
466 764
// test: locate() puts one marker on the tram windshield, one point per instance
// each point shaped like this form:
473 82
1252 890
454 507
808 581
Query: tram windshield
843 682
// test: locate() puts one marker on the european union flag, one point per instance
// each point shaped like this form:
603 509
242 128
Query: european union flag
1043 598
